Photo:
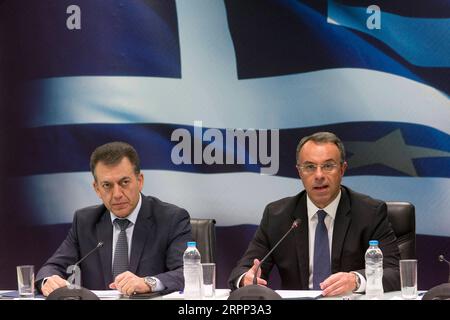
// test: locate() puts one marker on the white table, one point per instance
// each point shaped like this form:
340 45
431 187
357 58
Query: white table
222 294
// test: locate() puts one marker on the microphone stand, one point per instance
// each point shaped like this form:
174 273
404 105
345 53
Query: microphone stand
442 291
256 291
75 277
75 292
442 259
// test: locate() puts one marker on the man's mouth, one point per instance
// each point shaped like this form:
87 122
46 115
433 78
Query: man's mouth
121 204
321 188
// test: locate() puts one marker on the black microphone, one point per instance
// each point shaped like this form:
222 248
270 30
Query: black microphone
99 245
255 291
295 224
442 291
75 292
74 270
442 259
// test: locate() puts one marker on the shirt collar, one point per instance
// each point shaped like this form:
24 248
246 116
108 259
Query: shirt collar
132 217
330 209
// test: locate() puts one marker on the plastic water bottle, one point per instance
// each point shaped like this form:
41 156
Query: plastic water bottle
374 271
192 270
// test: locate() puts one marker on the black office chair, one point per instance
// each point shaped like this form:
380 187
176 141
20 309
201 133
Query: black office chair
402 217
204 233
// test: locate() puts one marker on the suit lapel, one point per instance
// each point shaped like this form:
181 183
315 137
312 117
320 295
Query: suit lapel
143 228
104 231
341 224
301 239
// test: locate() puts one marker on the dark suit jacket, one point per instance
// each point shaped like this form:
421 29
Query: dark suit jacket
159 240
359 219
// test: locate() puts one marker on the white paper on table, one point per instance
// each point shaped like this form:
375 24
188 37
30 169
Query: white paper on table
107 294
177 295
220 294
299 294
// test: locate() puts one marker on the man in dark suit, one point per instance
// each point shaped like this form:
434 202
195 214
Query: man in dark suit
144 238
326 252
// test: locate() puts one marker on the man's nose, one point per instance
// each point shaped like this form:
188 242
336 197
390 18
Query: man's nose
318 174
117 191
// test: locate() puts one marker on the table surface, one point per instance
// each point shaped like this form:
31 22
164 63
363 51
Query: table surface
222 294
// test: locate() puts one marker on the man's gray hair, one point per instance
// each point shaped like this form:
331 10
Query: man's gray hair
322 137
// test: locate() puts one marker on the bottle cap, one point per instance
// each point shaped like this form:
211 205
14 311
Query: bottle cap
192 244
373 242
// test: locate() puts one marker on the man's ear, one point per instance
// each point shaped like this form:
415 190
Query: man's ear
299 173
344 167
140 179
96 188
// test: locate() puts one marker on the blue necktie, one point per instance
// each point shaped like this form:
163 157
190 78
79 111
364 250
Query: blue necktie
321 252
120 263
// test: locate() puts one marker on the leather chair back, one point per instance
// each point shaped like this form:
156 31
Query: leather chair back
402 217
204 233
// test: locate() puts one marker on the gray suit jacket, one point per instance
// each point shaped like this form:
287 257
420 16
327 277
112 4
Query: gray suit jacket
159 240
359 219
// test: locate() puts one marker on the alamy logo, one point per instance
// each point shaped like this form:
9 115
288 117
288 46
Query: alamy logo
75 276
227 146
73 22
374 20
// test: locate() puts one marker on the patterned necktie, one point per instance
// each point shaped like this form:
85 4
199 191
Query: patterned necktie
321 252
120 263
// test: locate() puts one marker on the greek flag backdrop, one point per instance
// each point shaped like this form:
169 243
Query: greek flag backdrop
177 78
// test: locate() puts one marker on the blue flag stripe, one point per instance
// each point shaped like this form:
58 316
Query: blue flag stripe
139 38
406 8
422 42
310 43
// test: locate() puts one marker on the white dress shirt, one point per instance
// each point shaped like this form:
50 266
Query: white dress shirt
312 224
129 231
331 210
330 218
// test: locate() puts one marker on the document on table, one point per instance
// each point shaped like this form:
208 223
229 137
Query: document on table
107 294
299 294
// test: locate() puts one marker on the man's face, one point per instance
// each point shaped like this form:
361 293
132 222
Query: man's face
321 183
118 186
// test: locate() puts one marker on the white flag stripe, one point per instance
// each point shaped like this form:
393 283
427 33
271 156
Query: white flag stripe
233 198
281 102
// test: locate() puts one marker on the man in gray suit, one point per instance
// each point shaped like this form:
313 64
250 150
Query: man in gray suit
143 237
326 252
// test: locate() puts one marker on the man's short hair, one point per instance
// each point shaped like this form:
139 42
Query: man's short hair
112 153
322 137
